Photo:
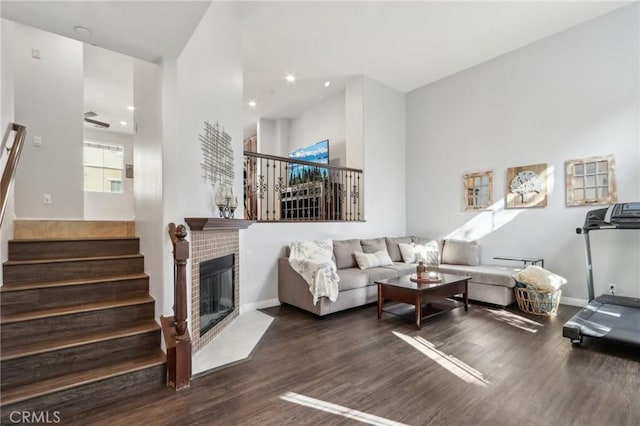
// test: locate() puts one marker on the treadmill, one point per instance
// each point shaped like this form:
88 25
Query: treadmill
607 317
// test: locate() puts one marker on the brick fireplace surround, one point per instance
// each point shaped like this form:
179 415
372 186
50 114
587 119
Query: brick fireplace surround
212 238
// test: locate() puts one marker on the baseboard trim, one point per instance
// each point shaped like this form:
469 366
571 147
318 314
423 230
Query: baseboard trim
572 301
261 304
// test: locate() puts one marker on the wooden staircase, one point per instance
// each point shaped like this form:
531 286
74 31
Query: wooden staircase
77 325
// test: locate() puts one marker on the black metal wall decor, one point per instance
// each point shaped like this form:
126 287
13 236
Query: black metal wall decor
217 167
217 155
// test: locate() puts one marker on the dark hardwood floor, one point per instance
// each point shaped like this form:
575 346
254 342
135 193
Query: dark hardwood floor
355 360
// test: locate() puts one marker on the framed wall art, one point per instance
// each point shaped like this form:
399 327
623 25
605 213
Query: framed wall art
527 186
478 190
590 181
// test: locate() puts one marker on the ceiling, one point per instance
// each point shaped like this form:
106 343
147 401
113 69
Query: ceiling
148 30
404 45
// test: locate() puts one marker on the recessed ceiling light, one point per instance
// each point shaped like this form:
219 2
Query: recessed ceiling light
252 104
131 108
290 78
83 31
327 83
124 123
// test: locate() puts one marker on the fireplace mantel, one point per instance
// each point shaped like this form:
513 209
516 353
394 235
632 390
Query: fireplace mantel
211 223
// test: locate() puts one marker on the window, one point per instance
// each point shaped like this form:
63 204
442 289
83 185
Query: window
103 166
590 181
478 190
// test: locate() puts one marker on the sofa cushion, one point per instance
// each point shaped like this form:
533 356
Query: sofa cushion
414 253
343 251
372 260
373 245
379 274
461 252
485 274
351 278
393 249
402 268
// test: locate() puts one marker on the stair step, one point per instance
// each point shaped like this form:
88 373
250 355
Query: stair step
41 346
23 328
70 310
32 249
48 270
76 380
90 354
17 298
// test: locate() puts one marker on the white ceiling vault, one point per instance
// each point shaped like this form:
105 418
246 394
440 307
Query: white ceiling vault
404 45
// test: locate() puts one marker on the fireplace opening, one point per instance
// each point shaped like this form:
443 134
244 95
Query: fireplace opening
217 292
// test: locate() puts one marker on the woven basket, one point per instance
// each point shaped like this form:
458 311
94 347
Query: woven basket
533 302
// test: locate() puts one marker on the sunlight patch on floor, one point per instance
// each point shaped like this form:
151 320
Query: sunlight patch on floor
515 320
603 310
328 407
452 364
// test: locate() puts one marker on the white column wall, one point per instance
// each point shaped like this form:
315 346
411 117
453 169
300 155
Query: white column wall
6 118
148 188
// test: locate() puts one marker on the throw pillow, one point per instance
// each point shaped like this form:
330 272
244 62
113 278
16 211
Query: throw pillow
542 280
408 252
428 253
461 252
373 245
372 260
393 247
343 250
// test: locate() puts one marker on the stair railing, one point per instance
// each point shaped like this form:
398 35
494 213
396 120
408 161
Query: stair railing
279 189
175 330
12 157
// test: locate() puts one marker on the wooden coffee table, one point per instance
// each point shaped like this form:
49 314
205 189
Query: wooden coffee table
402 289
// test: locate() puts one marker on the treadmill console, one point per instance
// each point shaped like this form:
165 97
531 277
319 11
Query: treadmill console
620 215
624 215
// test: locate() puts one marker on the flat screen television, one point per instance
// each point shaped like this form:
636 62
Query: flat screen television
316 153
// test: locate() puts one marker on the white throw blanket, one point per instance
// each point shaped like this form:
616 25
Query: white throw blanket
312 260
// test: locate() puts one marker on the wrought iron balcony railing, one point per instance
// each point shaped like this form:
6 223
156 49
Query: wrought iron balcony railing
278 189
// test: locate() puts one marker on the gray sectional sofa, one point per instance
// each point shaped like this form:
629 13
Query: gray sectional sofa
489 283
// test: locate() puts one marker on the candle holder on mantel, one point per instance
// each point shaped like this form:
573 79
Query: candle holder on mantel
226 202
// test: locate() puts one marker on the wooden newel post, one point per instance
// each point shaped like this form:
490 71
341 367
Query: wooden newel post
175 330
181 254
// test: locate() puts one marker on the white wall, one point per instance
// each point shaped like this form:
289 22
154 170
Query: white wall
49 101
148 172
572 95
6 118
324 121
209 88
354 147
383 127
203 84
107 205
268 142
